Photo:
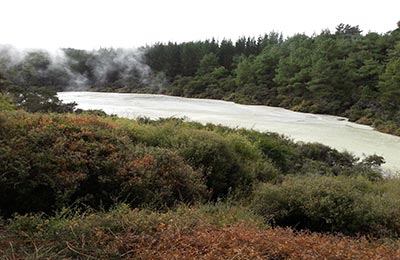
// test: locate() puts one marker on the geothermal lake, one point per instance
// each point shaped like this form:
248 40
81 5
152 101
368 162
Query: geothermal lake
333 131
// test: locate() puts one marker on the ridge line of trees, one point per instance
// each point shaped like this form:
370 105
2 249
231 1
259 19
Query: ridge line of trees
342 73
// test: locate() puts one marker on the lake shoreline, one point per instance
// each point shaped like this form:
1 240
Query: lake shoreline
306 127
360 122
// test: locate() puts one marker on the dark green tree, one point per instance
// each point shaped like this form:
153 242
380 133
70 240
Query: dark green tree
390 87
207 64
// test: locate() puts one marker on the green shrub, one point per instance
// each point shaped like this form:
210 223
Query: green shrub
323 153
68 222
278 150
160 178
216 157
334 204
49 161
6 102
228 161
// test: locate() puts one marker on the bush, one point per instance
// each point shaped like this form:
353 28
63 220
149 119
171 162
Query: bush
323 153
6 102
49 161
333 204
160 178
35 99
216 157
228 161
280 150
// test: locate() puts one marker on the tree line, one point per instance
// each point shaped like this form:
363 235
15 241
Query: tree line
343 72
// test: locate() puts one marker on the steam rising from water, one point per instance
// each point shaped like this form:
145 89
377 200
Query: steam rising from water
76 69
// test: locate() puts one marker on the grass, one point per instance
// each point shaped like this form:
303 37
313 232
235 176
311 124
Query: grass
211 231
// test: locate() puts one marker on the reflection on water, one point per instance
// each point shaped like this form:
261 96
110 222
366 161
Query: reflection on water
334 131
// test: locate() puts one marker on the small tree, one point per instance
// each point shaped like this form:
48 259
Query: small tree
207 64
6 102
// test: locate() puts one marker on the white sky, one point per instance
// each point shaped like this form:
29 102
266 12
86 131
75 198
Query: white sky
88 24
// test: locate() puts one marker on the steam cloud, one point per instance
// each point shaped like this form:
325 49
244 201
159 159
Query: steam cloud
78 69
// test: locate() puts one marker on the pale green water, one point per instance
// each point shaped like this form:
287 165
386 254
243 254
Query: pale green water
334 131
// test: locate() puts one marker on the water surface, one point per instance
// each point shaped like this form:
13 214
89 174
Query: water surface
333 131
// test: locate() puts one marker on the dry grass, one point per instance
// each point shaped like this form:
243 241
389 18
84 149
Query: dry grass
208 243
245 242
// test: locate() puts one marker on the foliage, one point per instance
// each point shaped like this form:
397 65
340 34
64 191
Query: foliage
344 72
92 162
184 233
48 161
341 204
228 163
31 99
6 102
42 99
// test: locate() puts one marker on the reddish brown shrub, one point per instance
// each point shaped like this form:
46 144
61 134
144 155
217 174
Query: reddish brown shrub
244 242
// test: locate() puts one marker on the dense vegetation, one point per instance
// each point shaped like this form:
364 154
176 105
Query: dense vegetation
209 232
82 185
333 204
64 175
50 161
342 73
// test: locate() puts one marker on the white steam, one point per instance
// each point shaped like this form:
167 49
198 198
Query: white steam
121 66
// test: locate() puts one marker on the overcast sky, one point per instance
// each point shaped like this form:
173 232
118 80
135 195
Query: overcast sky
91 24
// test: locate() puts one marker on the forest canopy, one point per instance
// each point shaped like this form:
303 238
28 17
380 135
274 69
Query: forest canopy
344 72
